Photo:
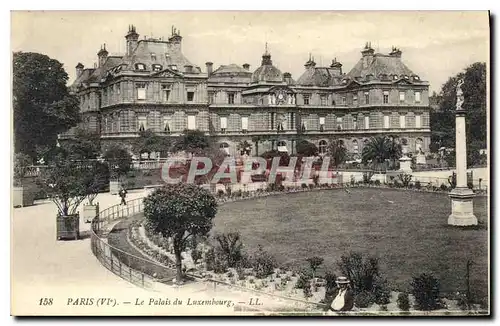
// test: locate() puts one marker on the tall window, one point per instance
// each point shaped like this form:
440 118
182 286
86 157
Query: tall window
230 98
417 97
402 121
367 122
355 100
191 122
211 97
166 124
367 98
401 97
142 122
244 124
292 120
321 123
386 122
386 97
190 96
418 123
344 100
306 99
272 120
339 123
223 124
322 146
324 99
165 92
355 123
141 91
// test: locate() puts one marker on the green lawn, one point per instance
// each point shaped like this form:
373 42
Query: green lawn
406 230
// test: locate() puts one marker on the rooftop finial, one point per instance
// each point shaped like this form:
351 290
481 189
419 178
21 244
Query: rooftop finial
104 46
266 52
309 56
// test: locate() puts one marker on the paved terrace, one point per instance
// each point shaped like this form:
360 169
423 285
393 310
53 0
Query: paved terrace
42 267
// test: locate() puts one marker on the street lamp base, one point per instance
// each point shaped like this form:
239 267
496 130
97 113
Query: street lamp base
462 209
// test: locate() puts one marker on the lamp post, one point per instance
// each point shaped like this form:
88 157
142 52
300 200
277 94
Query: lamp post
462 213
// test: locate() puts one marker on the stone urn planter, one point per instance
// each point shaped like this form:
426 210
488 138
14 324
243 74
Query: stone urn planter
68 226
89 212
114 186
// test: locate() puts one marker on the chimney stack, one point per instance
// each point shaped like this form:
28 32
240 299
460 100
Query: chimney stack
367 53
246 66
188 69
132 38
395 52
288 78
336 67
210 67
102 55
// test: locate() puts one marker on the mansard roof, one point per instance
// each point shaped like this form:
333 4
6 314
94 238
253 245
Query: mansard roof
231 73
319 76
378 65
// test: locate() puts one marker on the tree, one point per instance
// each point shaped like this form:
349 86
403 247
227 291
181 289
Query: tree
337 152
306 148
43 107
192 141
256 140
21 163
149 142
395 150
314 263
118 159
442 121
84 145
377 150
180 211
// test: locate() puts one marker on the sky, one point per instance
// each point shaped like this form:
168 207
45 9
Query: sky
435 45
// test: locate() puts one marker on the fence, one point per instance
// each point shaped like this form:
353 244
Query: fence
132 268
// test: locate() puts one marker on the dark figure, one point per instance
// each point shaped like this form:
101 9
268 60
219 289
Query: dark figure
343 297
123 194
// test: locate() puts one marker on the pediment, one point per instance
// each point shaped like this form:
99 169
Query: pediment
167 73
281 89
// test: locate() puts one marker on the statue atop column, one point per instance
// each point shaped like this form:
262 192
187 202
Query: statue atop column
460 95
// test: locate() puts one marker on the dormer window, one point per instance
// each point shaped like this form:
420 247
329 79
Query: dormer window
395 77
173 67
406 77
157 67
416 78
140 66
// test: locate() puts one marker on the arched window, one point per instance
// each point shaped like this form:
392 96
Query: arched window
224 147
323 145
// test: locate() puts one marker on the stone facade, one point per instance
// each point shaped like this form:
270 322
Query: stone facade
153 86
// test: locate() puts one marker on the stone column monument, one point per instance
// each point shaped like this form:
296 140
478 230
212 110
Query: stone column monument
462 213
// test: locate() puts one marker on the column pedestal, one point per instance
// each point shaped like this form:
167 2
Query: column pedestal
462 212
405 164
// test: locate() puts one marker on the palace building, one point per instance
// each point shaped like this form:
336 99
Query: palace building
154 86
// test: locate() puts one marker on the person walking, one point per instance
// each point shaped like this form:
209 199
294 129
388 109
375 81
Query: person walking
123 194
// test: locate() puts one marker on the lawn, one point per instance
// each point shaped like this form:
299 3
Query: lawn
406 230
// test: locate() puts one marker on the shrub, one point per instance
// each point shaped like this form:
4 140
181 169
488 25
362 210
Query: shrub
241 272
311 186
405 179
230 247
377 182
220 193
302 281
353 180
425 288
330 279
196 254
397 184
361 272
443 187
364 299
382 292
403 301
304 186
307 290
263 263
417 185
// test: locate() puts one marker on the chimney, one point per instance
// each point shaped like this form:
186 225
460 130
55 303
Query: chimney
310 64
102 55
336 67
188 69
132 38
175 39
395 52
79 69
288 78
246 66
367 54
210 66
